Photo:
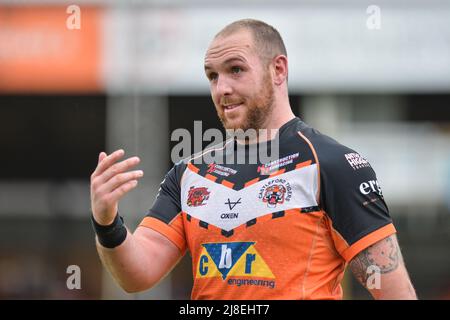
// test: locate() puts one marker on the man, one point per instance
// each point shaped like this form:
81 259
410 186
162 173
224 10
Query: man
280 230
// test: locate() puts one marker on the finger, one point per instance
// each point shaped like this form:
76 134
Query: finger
119 180
101 156
118 168
119 192
107 161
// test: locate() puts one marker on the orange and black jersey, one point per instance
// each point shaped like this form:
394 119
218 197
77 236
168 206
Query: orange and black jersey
284 229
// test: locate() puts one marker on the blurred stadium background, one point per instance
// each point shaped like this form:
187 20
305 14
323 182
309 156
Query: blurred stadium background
133 73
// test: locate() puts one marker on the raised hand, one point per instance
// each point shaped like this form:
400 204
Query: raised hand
110 181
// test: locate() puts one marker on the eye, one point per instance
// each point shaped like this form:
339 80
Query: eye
212 76
236 69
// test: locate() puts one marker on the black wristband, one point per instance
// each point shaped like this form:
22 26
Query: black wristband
112 235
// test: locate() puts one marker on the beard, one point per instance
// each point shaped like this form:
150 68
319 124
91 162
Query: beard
257 111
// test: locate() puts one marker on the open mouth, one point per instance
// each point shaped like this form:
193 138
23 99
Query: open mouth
231 107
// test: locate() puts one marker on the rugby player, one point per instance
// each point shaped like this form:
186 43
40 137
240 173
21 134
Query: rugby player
284 229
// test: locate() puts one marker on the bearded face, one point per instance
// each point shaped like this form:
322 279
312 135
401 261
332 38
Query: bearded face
241 83
255 107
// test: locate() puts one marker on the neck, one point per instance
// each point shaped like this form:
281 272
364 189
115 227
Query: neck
281 113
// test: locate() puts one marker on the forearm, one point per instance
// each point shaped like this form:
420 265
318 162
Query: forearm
381 270
127 263
395 286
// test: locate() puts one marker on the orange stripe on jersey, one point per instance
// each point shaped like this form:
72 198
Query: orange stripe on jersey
276 173
303 164
173 232
368 240
228 184
211 177
241 228
291 211
249 183
264 218
193 168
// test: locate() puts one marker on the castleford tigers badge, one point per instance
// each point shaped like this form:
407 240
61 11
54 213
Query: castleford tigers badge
274 195
197 196
275 192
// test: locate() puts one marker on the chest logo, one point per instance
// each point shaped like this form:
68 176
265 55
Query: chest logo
233 259
232 204
275 192
197 196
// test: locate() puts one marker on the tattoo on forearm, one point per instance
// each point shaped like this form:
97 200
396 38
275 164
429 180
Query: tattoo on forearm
384 255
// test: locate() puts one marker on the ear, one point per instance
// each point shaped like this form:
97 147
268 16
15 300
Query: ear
280 64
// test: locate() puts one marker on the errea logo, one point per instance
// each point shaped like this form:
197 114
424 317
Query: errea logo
370 186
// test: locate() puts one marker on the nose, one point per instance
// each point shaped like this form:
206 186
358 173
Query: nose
223 87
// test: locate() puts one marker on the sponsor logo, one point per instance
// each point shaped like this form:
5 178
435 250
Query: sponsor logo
231 205
273 166
239 260
197 196
231 215
275 192
370 186
356 161
220 170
